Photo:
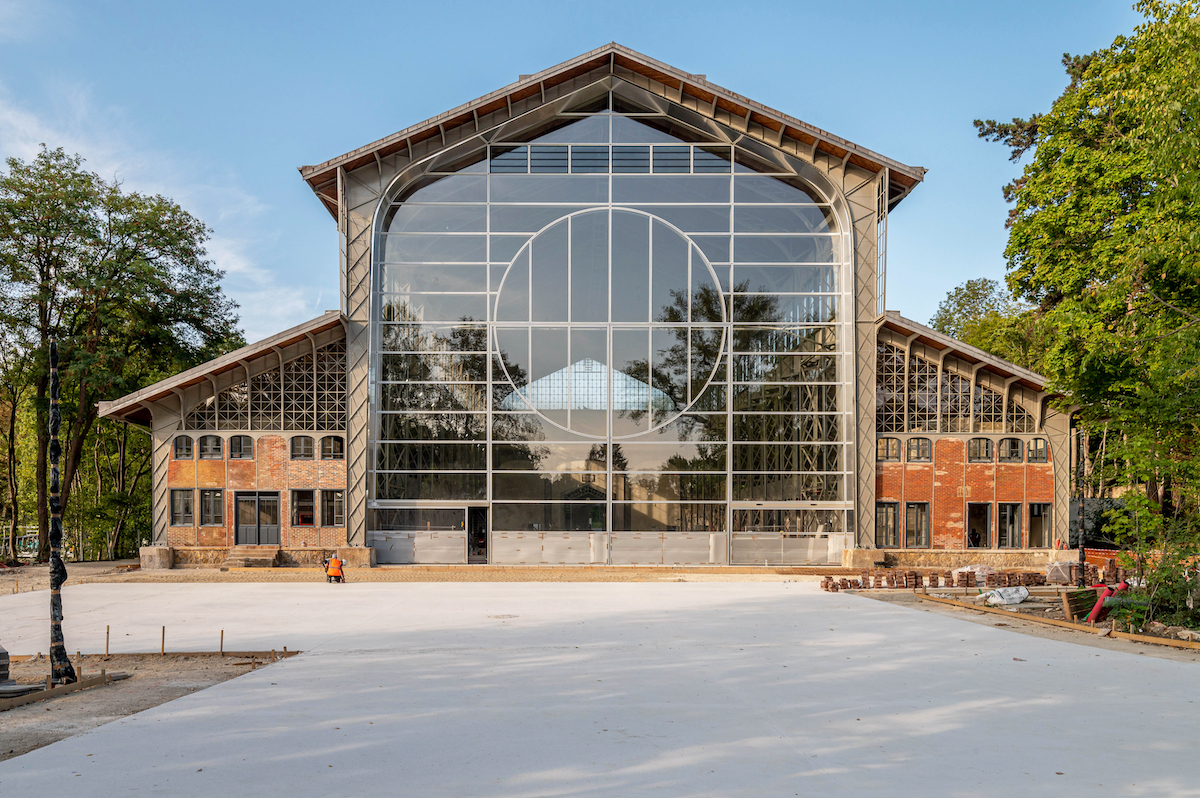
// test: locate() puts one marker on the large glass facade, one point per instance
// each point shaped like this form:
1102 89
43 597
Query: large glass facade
612 323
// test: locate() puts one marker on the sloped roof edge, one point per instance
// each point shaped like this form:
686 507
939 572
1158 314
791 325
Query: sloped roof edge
118 408
319 174
894 321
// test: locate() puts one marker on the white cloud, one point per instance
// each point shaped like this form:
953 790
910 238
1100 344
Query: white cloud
267 305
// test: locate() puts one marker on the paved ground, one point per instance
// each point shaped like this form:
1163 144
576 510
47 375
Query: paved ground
508 689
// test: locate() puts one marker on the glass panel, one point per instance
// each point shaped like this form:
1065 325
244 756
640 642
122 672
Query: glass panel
550 457
432 426
432 396
549 487
403 278
786 279
794 309
783 249
433 368
410 218
1039 526
452 188
689 427
589 159
785 398
419 519
589 268
549 264
783 219
589 128
650 130
513 302
630 267
789 428
693 218
524 218
668 517
565 517
787 487
668 274
672 159
549 188
711 159
430 456
431 486
755 188
784 339
631 356
630 159
434 248
715 248
545 159
509 159
504 249
669 487
669 457
698 188
433 307
529 427
432 338
794 457
785 368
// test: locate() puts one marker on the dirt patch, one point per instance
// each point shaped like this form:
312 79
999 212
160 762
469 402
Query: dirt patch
153 680
1017 624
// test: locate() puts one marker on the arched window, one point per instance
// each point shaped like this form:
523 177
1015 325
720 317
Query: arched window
1011 450
210 447
241 447
183 447
333 447
887 450
920 450
1037 450
979 450
302 447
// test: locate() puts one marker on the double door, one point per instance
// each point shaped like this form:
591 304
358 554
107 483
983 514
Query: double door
257 517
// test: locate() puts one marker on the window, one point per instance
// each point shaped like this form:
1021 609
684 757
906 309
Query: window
181 507
302 448
212 508
241 447
210 447
916 525
1008 533
303 511
183 448
920 450
1039 526
979 450
1037 450
333 508
333 447
1011 450
887 450
887 527
979 526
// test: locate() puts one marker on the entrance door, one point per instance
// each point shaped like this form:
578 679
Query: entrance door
257 519
477 535
979 526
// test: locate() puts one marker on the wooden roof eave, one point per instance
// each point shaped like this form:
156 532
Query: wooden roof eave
615 55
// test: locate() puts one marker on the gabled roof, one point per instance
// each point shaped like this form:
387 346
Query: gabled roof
586 382
131 407
892 320
615 59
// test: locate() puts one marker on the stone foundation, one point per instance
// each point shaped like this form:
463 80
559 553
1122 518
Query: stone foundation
943 559
156 558
357 556
215 556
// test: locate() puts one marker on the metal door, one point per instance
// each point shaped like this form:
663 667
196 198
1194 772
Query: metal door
477 548
268 519
246 514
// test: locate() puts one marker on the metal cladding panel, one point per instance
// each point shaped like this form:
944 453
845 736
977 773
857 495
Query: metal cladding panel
806 549
1058 430
636 549
165 424
718 548
440 547
684 549
566 548
392 547
515 548
756 549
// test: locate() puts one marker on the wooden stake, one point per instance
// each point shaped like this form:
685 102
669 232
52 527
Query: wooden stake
164 642
222 642
106 640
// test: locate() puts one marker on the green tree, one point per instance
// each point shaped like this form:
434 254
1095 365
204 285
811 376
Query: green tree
970 303
121 278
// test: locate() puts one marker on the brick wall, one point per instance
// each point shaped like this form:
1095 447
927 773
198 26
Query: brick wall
950 483
271 470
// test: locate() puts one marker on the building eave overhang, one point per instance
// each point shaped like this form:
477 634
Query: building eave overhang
323 176
893 321
133 407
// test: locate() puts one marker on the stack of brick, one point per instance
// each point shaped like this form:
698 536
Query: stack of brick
865 580
948 578
989 580
878 579
933 579
920 581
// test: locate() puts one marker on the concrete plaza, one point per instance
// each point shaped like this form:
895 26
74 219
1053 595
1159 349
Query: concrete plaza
585 689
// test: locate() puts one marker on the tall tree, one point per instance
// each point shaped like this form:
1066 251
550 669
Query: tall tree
14 389
121 278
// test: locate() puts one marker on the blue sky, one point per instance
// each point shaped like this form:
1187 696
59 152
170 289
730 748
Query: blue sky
215 104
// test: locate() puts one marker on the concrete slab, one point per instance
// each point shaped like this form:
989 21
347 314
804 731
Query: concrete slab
508 689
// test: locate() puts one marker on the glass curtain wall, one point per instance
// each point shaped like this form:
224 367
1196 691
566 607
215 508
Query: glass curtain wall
612 323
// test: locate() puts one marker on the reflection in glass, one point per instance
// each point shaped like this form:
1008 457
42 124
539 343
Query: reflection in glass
447 487
640 517
548 517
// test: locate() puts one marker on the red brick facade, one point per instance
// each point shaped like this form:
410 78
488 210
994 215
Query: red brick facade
271 470
950 483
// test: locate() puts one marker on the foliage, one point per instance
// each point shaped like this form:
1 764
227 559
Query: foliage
984 314
1161 551
123 281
